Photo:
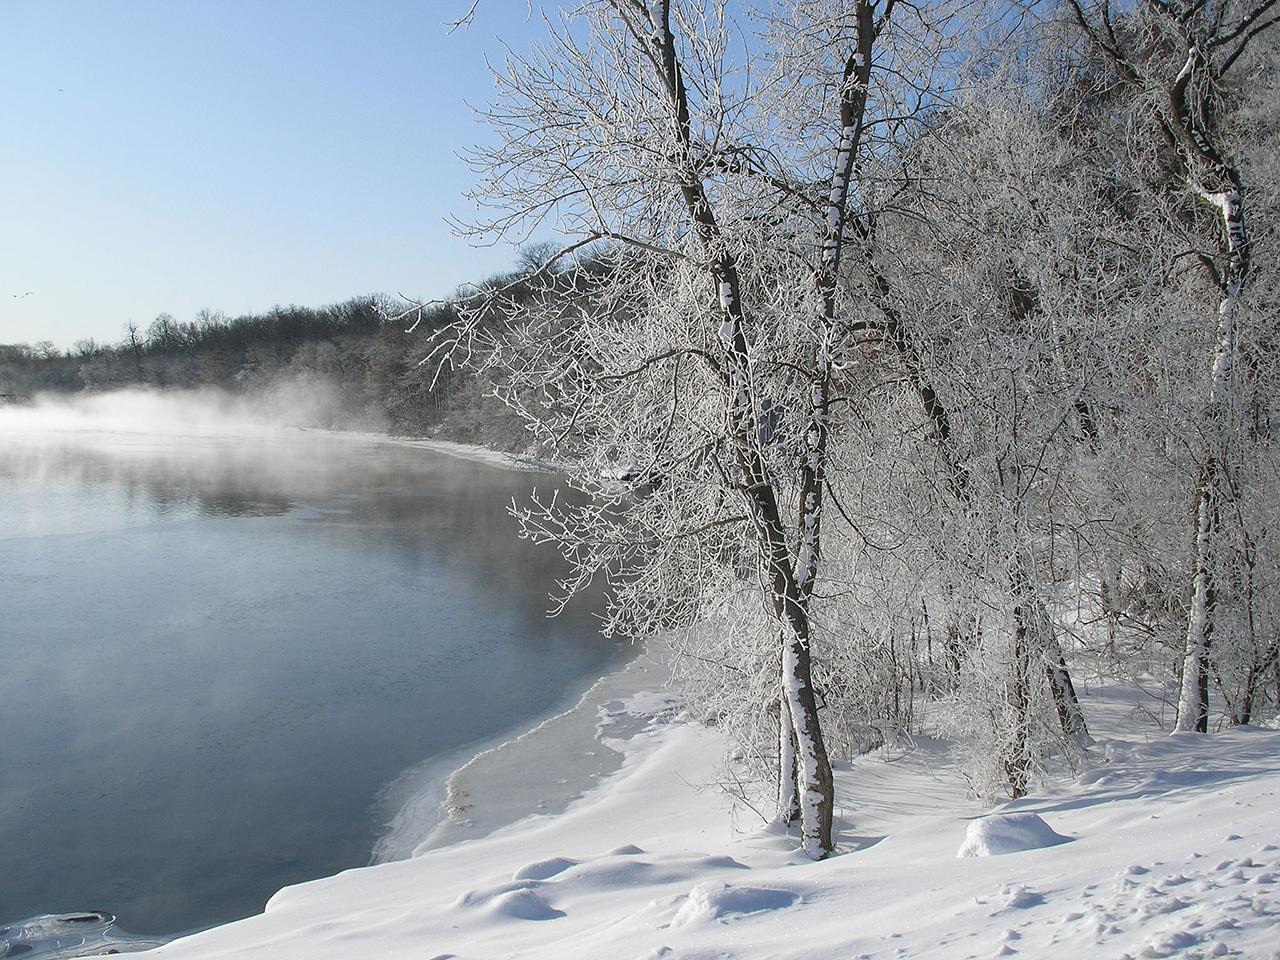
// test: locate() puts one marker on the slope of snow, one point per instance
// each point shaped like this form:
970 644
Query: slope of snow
1175 851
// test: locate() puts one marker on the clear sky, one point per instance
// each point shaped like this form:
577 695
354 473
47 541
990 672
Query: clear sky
172 155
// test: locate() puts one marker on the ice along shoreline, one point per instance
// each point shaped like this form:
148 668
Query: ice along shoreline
453 448
526 772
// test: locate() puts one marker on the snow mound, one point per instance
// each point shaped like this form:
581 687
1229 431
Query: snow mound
522 905
542 869
1001 833
621 871
626 850
721 861
481 896
633 870
708 902
1019 897
518 900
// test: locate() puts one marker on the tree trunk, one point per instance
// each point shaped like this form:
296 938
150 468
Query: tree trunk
817 785
1253 681
788 788
1041 642
1111 598
1245 713
1017 753
1065 701
1193 698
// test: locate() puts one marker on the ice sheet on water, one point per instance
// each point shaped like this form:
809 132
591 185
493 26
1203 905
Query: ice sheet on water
62 935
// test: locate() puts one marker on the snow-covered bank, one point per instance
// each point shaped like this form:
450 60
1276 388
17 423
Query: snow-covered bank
1173 849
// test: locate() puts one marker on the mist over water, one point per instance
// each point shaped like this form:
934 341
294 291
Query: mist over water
226 635
289 403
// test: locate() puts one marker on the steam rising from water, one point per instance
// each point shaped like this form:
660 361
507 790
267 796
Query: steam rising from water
204 411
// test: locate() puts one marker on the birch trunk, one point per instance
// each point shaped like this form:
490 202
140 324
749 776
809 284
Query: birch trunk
788 788
1193 696
1193 705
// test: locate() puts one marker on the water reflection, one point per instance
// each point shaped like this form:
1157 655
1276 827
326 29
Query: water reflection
218 649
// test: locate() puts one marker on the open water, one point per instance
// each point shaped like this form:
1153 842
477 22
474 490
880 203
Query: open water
217 650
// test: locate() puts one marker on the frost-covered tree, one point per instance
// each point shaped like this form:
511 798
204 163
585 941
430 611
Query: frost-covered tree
1179 60
697 383
879 376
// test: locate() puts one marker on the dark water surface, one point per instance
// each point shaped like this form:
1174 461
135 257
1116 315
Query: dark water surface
214 651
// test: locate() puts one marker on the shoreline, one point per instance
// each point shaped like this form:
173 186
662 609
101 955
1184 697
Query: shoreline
435 803
463 451
538 771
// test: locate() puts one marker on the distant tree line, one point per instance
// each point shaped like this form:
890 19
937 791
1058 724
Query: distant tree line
369 363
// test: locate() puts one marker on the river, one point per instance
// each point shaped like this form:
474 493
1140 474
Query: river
219 649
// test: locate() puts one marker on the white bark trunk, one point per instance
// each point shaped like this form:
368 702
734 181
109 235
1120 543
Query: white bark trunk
815 832
788 795
1193 708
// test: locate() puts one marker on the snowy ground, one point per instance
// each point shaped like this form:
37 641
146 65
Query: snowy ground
1172 848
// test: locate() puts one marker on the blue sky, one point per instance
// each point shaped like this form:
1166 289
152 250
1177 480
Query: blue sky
172 155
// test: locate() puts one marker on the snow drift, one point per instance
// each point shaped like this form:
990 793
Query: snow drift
1008 833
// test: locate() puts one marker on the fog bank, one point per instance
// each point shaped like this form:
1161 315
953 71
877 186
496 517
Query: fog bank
288 404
